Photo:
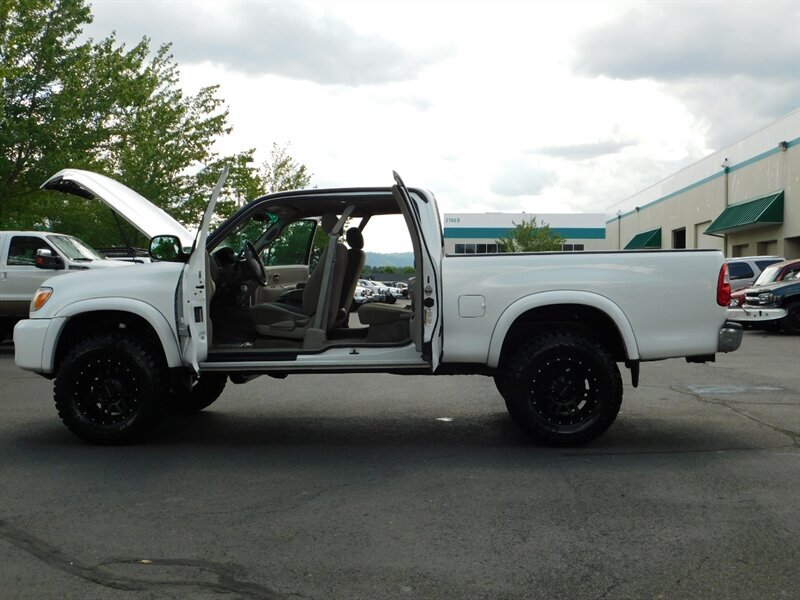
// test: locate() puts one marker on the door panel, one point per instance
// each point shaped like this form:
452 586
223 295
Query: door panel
19 277
426 234
194 316
279 280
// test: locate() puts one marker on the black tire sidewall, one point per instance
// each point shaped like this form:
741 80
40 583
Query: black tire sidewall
791 322
205 391
515 389
142 367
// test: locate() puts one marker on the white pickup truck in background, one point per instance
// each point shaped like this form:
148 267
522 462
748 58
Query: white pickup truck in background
20 275
20 272
550 328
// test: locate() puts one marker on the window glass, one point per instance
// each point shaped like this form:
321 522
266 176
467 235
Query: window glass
480 248
22 251
792 273
566 247
763 264
74 249
578 247
739 270
491 248
768 275
459 248
250 230
292 246
469 248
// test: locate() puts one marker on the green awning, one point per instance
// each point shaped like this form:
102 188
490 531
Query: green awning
645 240
747 215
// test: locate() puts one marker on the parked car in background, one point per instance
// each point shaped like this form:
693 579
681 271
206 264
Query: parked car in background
379 291
772 305
361 296
392 292
402 286
28 258
744 270
776 272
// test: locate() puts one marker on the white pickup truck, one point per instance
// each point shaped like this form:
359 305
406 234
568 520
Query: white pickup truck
22 271
549 328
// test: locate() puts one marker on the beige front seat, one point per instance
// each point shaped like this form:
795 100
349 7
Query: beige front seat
277 319
355 264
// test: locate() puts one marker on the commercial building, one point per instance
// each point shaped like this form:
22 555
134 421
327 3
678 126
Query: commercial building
743 200
477 233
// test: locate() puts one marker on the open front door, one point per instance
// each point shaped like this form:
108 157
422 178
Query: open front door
426 238
193 318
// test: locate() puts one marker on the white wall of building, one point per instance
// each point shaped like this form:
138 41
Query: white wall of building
479 232
690 200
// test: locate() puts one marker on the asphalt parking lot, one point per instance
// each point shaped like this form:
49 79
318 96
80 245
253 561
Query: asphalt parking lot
362 487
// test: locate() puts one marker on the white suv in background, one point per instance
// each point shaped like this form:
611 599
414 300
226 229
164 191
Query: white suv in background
744 270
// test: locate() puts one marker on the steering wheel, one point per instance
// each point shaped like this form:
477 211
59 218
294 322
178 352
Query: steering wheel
253 264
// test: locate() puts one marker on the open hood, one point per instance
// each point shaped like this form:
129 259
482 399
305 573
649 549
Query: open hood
137 210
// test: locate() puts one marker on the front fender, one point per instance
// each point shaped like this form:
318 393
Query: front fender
554 298
165 330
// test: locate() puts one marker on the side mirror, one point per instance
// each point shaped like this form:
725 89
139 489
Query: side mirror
167 248
46 260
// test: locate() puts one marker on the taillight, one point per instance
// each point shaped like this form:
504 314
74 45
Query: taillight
723 286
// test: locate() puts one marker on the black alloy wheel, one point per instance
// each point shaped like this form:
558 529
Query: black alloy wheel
562 389
110 389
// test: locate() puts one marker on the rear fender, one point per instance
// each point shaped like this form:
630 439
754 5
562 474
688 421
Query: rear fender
555 298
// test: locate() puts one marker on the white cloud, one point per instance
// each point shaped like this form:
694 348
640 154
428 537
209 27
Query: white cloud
678 40
257 38
521 178
736 65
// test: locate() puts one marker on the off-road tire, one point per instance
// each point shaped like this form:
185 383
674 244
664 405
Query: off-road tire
6 329
791 322
110 389
562 389
204 391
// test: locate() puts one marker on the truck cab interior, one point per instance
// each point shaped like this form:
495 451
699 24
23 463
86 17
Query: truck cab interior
282 273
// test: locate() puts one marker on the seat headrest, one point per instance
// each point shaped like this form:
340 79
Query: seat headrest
328 222
355 239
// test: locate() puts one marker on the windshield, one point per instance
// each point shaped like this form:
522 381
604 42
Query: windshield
74 249
768 275
277 242
249 230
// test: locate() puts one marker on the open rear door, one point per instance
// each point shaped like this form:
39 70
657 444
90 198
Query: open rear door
193 314
426 237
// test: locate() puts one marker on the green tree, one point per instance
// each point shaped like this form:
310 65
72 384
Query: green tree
113 110
245 182
529 236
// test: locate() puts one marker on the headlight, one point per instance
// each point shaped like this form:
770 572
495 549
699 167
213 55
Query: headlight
767 297
39 299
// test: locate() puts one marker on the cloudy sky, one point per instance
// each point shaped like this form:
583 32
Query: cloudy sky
534 106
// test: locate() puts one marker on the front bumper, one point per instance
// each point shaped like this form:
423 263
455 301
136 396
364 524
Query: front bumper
730 337
34 344
752 314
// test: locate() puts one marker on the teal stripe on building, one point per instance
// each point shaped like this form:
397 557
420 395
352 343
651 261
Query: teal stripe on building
691 186
493 233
